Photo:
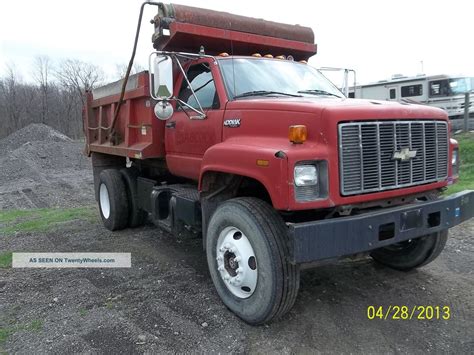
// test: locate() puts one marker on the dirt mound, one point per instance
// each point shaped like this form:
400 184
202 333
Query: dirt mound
41 167
32 133
51 155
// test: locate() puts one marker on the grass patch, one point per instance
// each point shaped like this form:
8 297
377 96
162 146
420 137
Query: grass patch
4 334
83 312
35 326
466 171
6 260
42 219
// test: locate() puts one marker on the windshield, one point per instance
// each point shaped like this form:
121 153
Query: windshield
450 87
245 77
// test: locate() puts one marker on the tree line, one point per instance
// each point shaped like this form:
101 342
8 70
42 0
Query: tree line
54 96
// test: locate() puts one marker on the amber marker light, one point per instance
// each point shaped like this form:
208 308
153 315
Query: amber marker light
268 56
223 54
297 134
262 162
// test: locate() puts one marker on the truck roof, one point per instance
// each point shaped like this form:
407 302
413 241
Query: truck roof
182 28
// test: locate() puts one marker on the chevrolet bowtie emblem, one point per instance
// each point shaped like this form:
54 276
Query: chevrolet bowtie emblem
404 155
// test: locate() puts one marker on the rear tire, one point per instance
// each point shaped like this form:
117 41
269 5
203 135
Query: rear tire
113 200
248 234
412 253
136 216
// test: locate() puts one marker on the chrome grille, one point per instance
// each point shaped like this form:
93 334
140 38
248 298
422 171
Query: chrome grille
366 154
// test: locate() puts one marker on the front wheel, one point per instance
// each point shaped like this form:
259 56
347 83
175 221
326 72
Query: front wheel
412 253
247 250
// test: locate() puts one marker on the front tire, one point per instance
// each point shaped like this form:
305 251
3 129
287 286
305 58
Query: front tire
113 200
247 250
412 253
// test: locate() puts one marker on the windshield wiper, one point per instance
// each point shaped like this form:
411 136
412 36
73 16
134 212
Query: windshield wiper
317 92
263 93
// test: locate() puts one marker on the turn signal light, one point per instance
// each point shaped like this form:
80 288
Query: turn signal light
298 134
223 54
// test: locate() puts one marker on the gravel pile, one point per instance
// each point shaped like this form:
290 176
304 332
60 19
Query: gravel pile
31 133
53 155
41 167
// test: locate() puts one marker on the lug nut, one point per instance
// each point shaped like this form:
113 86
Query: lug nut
237 259
220 268
226 277
239 270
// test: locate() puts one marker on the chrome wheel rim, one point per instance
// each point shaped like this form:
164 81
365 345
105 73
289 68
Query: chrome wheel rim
236 262
104 201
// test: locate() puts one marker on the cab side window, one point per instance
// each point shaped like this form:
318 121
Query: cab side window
202 83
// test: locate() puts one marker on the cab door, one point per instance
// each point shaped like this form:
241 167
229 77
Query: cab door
186 137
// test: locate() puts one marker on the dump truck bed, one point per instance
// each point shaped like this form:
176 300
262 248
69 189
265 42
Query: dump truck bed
136 133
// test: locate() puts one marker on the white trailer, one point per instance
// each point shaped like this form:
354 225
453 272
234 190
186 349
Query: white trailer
443 91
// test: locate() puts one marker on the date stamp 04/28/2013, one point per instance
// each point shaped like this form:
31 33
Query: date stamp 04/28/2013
401 312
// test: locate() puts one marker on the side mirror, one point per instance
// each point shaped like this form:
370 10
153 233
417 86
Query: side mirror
163 110
161 77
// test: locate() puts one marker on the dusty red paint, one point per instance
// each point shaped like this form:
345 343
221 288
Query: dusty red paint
190 28
196 147
139 132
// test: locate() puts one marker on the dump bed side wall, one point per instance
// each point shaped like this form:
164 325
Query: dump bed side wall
136 133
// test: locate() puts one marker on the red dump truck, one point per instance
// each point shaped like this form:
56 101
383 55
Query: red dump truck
233 136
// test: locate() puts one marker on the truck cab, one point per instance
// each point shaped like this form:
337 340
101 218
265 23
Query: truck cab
257 152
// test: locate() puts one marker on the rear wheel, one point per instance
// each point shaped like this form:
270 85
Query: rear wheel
247 253
412 253
113 200
136 216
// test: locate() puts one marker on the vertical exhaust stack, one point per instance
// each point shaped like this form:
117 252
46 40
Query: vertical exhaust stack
184 29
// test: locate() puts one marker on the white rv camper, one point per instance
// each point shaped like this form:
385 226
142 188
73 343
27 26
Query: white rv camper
443 91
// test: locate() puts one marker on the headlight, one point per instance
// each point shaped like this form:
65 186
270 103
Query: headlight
455 162
306 175
454 159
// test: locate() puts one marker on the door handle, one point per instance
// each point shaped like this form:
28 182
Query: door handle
171 124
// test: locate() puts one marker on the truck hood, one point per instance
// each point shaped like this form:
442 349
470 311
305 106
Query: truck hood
347 108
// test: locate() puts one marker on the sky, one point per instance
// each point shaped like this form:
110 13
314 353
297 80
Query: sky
375 38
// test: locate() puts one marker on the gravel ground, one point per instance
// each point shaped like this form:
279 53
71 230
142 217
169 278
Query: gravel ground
166 302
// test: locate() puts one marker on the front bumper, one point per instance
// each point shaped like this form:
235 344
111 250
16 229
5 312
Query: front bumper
337 237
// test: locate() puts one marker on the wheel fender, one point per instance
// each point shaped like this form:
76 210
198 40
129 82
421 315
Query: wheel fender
266 165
